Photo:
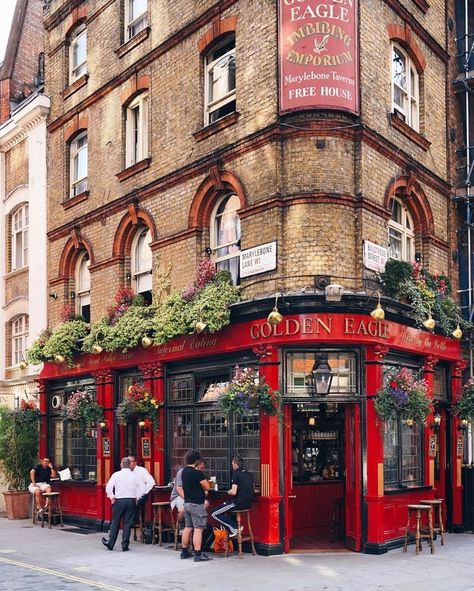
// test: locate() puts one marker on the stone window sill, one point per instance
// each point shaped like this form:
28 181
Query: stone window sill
72 201
134 169
217 126
133 42
16 272
72 88
409 132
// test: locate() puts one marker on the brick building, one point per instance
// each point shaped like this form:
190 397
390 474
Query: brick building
188 131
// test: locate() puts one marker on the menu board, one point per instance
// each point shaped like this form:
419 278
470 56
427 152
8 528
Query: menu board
146 447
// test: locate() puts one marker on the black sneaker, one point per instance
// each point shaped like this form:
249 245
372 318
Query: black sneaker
201 557
185 553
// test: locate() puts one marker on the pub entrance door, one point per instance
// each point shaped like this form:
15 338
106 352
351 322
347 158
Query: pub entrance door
322 476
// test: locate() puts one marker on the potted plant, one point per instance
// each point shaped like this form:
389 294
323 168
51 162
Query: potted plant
139 405
82 406
403 393
464 407
19 436
248 390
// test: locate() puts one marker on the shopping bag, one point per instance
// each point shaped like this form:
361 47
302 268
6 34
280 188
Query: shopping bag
221 541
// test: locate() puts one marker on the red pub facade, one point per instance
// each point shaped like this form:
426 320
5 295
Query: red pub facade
325 453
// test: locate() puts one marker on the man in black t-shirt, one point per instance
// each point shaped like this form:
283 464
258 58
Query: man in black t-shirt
242 492
41 476
193 490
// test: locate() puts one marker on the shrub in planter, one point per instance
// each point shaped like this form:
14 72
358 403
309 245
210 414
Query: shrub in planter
35 354
464 407
396 272
66 340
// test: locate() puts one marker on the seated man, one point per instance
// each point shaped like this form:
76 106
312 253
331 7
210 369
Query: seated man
41 476
242 492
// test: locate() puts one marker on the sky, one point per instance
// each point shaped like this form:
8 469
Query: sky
8 7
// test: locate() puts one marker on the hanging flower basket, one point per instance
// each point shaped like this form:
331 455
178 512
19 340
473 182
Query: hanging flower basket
464 407
139 405
82 406
248 390
403 393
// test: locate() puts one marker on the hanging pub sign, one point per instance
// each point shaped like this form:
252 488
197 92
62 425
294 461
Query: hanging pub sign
318 54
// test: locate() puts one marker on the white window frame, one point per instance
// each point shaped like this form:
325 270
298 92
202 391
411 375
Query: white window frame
211 62
79 69
409 110
141 267
405 233
19 338
83 283
79 184
136 130
221 261
133 25
20 221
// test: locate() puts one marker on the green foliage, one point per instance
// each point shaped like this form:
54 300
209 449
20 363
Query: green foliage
396 272
66 340
212 303
35 354
19 436
172 319
464 408
82 406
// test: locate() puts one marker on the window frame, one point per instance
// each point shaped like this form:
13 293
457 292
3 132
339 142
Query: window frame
140 20
136 130
409 112
407 235
138 273
77 70
210 62
83 297
22 214
19 336
78 185
223 262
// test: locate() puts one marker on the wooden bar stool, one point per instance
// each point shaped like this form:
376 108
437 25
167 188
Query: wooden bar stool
243 538
140 528
52 509
158 513
420 533
437 505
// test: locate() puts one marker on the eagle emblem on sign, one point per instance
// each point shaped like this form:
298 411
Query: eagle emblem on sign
320 46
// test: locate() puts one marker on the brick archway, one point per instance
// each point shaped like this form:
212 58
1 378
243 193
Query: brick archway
412 195
216 184
404 36
73 249
134 218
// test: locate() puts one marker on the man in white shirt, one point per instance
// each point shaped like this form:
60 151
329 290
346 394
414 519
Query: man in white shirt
146 480
123 490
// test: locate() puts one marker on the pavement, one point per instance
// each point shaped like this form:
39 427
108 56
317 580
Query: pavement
70 560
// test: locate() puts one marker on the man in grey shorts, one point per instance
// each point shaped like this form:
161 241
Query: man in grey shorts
194 485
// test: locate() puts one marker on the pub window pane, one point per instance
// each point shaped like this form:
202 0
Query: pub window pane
181 426
411 454
213 443
440 390
181 389
247 442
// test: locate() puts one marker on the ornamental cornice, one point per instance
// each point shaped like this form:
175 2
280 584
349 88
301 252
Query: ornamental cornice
20 124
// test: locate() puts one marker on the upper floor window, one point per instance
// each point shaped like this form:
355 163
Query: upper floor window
401 238
19 328
78 164
136 17
405 88
219 84
83 287
142 264
225 236
137 130
20 222
78 54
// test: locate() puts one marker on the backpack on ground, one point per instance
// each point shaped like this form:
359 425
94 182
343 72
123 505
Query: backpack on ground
148 532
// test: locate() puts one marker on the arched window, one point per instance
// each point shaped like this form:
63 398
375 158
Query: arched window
142 262
83 287
19 237
219 83
19 332
136 130
78 164
78 53
405 87
401 238
225 236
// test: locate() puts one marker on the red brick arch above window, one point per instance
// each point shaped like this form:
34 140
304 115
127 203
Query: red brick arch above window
219 27
409 191
404 36
133 87
77 16
216 184
127 229
73 249
77 124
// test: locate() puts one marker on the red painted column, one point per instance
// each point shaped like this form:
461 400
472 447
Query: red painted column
269 502
428 374
43 408
154 382
457 444
374 495
105 440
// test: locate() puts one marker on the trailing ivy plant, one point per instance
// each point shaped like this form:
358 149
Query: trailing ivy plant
66 340
464 407
35 354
